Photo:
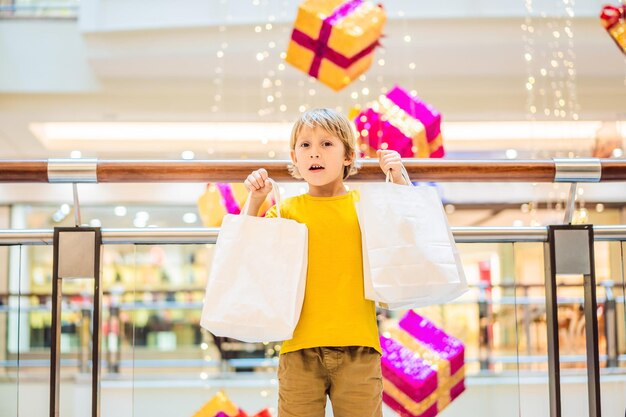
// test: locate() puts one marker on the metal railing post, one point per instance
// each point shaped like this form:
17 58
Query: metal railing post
76 255
569 250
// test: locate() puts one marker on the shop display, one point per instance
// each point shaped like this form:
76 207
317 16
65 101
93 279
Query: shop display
423 367
400 122
153 298
334 41
613 19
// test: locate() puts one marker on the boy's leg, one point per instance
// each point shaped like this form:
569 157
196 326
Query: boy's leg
302 384
356 387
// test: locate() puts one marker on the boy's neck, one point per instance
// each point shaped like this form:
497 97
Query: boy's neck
333 189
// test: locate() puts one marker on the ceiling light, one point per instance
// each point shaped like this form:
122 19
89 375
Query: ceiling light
187 155
232 137
140 222
142 216
120 211
190 218
511 153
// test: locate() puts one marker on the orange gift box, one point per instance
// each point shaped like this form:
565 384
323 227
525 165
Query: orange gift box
334 40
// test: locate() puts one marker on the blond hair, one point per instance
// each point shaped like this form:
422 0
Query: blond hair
334 123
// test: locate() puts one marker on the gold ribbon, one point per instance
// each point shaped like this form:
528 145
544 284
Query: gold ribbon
390 111
435 144
441 395
431 358
445 381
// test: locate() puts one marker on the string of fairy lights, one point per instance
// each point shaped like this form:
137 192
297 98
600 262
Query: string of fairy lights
551 80
550 84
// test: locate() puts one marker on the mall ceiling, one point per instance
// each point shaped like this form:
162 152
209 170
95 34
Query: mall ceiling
470 66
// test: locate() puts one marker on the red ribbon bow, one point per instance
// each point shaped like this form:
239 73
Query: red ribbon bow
611 15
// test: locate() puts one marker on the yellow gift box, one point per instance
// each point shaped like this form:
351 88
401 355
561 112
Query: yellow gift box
334 40
220 199
219 403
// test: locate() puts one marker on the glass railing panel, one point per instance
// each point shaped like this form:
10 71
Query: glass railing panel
26 319
153 347
10 315
162 344
484 319
529 369
610 272
117 351
621 309
159 311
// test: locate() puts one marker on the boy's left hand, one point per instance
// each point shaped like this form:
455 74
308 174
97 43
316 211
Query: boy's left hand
391 160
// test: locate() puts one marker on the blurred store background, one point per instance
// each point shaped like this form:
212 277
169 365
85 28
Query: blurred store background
208 80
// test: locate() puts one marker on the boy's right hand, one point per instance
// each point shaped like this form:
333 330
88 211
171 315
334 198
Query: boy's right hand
258 183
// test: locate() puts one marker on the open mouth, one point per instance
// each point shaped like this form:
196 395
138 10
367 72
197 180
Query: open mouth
316 168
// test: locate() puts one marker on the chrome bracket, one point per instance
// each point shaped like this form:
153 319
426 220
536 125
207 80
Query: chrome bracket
575 171
73 171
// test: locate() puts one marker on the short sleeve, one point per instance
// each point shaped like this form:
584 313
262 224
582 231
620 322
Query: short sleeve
271 212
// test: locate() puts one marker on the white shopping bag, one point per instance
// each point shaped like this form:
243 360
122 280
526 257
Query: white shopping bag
256 284
409 255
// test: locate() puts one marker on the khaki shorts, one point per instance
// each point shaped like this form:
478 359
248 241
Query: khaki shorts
350 376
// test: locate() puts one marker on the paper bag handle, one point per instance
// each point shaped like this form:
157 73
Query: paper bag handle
276 192
405 175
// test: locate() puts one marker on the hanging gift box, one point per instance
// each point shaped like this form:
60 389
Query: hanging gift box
334 40
400 122
613 19
240 413
221 406
218 404
422 366
220 199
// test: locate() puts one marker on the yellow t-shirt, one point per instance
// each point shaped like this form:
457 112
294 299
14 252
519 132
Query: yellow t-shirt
335 311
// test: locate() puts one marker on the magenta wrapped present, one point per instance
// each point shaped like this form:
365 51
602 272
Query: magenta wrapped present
423 367
403 123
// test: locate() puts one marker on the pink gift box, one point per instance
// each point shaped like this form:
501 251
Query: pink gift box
422 367
402 368
447 347
403 123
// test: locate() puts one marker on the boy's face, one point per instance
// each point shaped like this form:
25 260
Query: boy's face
319 156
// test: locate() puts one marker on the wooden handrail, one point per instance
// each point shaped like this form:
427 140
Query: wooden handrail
139 171
24 171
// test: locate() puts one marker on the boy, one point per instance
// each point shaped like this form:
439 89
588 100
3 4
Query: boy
335 350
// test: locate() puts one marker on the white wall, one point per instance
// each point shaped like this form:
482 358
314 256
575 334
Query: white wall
43 57
122 15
